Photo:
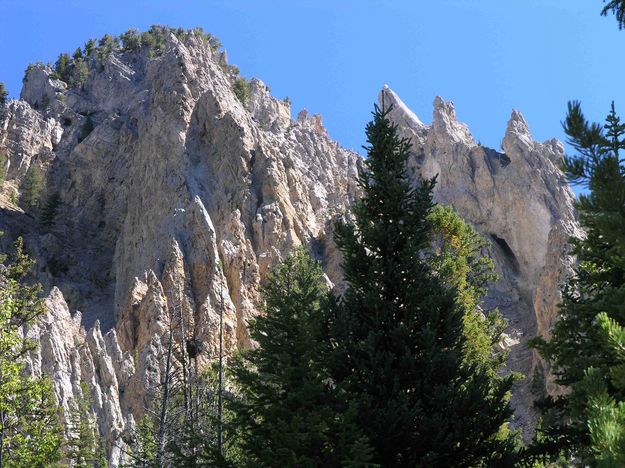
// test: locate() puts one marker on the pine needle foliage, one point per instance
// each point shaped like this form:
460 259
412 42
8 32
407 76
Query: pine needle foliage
617 7
458 259
287 413
593 302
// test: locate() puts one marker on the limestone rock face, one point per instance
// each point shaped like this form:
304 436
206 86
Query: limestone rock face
519 200
176 199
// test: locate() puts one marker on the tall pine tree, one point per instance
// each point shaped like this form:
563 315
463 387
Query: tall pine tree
577 345
398 329
287 413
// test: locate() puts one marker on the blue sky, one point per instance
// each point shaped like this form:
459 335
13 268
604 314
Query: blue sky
332 57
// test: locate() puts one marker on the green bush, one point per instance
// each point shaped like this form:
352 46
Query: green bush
212 41
77 54
241 88
80 73
154 38
131 40
106 46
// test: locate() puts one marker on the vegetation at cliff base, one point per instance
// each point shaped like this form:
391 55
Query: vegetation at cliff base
584 348
29 420
400 347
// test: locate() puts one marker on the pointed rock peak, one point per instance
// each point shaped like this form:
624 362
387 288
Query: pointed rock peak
518 136
445 123
400 114
517 124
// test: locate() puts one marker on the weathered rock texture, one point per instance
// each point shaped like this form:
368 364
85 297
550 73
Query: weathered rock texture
519 200
177 198
174 195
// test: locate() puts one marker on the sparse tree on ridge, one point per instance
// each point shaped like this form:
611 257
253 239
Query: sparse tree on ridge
3 94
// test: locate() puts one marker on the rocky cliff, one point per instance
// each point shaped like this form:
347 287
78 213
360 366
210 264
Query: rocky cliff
175 195
520 201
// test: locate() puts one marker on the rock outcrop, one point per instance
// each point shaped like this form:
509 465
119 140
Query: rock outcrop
176 199
520 201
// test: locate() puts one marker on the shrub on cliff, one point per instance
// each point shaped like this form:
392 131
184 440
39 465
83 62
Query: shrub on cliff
3 168
241 88
3 94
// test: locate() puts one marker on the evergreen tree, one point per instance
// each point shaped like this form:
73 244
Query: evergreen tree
143 443
618 8
106 46
456 257
29 424
287 414
4 161
79 73
597 286
195 444
90 47
49 212
605 412
3 94
131 40
63 67
84 447
398 330
77 54
33 185
241 88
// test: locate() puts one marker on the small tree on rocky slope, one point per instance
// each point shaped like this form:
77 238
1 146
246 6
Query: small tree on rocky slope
33 186
3 94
